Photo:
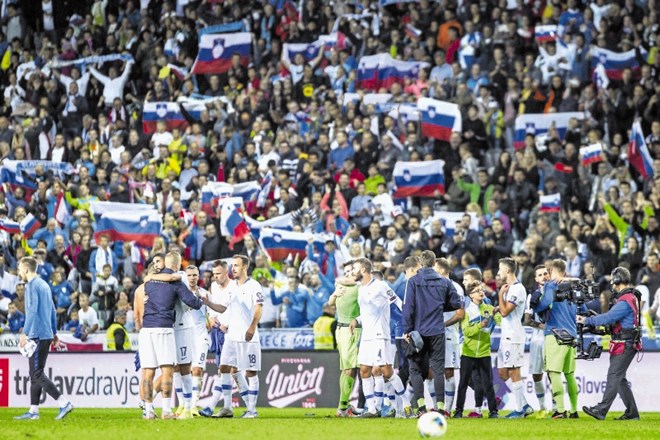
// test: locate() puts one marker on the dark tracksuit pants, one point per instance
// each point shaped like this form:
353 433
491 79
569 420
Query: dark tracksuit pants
618 384
434 353
484 367
38 379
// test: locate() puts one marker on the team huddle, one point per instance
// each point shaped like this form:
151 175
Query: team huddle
426 326
173 315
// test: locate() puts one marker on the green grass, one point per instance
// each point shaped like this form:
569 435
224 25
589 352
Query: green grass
314 424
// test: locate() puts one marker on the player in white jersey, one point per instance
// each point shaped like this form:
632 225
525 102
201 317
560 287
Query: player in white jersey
201 340
512 297
220 289
374 298
536 350
452 337
242 349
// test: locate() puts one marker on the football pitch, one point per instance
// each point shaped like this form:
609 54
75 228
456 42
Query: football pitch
314 424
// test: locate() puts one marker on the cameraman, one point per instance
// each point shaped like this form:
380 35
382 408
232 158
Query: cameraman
562 314
624 316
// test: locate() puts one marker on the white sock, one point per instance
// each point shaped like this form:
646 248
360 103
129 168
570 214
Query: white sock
379 387
518 395
225 379
429 393
176 382
167 405
62 401
197 387
478 410
34 409
450 391
399 389
539 387
217 392
388 394
410 393
253 393
149 406
242 386
368 388
187 385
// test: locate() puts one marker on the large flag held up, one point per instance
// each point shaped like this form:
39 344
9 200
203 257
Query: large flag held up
615 62
539 123
419 179
216 51
284 222
169 112
545 33
439 118
213 192
381 71
638 152
21 172
141 227
280 244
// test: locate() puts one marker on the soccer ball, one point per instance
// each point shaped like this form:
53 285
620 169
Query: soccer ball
432 424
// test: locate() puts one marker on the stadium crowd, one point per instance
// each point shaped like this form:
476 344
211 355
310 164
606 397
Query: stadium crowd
331 159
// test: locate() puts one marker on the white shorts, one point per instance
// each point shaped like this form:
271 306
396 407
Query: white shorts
536 357
452 354
156 347
201 343
510 355
185 339
375 353
245 356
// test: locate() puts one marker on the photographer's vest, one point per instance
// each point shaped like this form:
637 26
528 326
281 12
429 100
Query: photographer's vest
323 339
110 337
621 336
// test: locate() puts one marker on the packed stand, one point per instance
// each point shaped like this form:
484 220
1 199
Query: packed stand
80 86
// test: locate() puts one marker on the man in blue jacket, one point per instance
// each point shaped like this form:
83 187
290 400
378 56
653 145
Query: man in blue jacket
624 317
41 328
559 358
428 295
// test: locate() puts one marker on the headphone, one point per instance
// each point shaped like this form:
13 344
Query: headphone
620 275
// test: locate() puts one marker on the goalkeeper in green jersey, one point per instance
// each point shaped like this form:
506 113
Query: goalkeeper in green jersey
345 298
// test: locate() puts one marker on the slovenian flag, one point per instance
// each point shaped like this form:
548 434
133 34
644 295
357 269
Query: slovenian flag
213 192
412 31
21 172
284 222
232 223
141 227
614 63
265 189
99 208
419 179
550 203
591 154
336 40
8 284
10 226
599 77
216 51
405 112
308 51
29 225
538 124
62 210
638 152
439 118
280 245
381 71
545 33
170 112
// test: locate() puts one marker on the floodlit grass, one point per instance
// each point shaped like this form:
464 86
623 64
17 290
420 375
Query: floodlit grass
314 424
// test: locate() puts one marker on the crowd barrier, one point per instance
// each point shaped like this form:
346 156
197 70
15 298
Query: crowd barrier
303 379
